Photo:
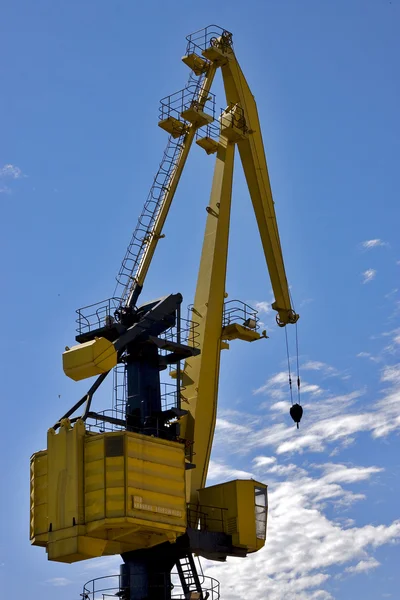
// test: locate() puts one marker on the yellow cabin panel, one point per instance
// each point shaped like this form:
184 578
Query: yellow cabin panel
242 507
65 476
101 494
38 498
89 359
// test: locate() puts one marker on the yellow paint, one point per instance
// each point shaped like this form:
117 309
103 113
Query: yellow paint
196 116
173 126
240 127
252 154
234 331
89 359
186 144
89 498
99 494
202 372
237 501
196 63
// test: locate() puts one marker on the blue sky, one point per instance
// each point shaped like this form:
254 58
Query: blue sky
80 144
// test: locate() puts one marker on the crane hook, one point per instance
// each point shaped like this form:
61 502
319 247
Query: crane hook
296 412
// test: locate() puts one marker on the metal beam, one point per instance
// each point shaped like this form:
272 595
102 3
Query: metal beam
201 373
252 154
170 190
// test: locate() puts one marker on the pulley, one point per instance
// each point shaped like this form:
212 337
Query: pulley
296 412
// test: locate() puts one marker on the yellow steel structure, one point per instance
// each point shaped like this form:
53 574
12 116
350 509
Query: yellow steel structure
100 494
240 127
89 359
233 502
189 133
94 494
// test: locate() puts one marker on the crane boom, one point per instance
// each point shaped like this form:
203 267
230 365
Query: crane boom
200 377
201 374
252 154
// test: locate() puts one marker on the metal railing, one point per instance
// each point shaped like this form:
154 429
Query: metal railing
233 116
97 422
236 311
103 588
209 36
94 316
175 104
188 333
207 520
102 314
211 130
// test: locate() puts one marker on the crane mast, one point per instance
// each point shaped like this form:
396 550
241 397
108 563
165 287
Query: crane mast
132 480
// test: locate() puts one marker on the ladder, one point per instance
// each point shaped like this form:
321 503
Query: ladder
144 231
189 579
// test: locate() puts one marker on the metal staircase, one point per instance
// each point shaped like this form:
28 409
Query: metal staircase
189 579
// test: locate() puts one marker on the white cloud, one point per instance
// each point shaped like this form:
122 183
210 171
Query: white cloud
263 307
223 473
282 407
363 566
275 384
316 365
334 472
368 244
262 461
308 388
275 380
328 419
4 189
302 542
369 275
58 581
368 355
11 172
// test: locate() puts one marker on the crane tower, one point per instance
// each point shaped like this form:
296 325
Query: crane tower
131 480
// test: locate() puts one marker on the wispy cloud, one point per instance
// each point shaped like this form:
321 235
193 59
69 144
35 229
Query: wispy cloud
275 387
331 419
369 244
368 355
363 566
221 472
263 307
11 172
369 275
263 461
58 581
315 365
4 189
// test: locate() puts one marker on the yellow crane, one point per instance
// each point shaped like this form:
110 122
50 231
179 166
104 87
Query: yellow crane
132 480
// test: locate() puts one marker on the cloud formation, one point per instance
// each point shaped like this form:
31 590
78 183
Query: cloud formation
331 419
302 542
11 172
369 244
58 581
369 275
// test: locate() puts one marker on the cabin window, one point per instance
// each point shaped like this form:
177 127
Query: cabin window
260 501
